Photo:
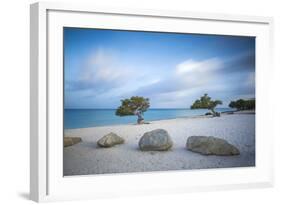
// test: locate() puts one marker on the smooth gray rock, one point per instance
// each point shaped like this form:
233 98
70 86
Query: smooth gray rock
156 140
211 146
110 140
69 141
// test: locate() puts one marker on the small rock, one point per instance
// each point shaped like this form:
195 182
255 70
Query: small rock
156 140
217 114
142 122
110 140
69 141
211 146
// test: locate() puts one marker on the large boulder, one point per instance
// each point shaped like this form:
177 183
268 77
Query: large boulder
110 140
155 140
69 141
211 146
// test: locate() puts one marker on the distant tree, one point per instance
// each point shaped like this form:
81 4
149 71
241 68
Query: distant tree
242 104
251 104
232 104
206 102
133 106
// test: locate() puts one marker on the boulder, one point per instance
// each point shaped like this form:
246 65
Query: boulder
156 140
69 141
110 140
211 146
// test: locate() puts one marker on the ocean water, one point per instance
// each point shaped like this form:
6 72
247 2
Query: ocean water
81 118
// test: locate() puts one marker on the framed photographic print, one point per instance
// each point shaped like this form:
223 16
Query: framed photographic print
127 102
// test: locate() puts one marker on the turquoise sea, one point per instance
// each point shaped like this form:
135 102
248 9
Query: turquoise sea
81 118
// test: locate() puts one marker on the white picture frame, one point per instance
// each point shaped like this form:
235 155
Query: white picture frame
46 179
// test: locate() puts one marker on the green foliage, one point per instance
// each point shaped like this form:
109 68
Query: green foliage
129 106
243 104
206 102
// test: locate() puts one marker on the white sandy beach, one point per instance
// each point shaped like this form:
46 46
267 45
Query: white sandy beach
87 158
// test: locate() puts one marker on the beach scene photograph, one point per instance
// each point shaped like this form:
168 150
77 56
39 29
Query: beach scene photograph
143 101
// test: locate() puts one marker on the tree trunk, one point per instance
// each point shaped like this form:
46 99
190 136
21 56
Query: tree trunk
140 118
213 112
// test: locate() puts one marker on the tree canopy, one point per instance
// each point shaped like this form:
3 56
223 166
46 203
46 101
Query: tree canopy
206 102
131 105
243 104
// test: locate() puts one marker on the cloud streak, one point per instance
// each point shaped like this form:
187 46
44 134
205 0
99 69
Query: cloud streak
100 72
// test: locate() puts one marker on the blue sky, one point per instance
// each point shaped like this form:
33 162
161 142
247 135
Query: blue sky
101 67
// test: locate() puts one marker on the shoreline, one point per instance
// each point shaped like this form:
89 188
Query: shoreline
185 117
149 122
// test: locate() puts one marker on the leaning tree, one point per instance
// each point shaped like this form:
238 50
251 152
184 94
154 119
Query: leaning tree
206 102
133 106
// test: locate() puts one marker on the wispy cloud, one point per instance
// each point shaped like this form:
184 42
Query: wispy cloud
100 72
191 66
187 76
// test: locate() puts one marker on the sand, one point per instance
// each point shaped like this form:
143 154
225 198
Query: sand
87 158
